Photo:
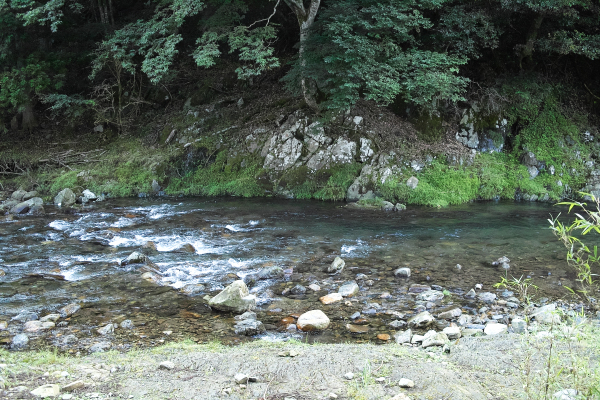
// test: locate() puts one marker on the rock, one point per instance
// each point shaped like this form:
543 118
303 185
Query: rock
412 182
533 172
298 290
135 258
168 365
3 325
74 386
271 273
193 290
402 272
100 347
357 120
495 329
249 327
50 317
25 316
417 288
436 339
400 396
69 310
89 195
452 332
105 330
349 289
241 379
406 383
155 186
471 294
65 198
387 206
383 337
420 320
403 337
349 376
566 394
431 295
314 320
502 262
19 341
234 297
127 324
546 314
248 315
35 326
331 298
357 329
46 391
519 325
18 195
528 159
417 339
336 266
451 314
397 324
486 297
314 287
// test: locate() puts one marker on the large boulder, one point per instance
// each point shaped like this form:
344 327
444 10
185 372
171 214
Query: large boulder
314 320
25 206
234 297
65 198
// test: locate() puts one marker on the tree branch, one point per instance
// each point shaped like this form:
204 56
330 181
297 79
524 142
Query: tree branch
266 19
298 7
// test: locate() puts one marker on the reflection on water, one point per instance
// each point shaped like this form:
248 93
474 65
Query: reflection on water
210 242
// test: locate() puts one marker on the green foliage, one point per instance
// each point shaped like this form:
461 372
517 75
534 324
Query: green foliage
439 186
524 287
583 258
325 184
369 49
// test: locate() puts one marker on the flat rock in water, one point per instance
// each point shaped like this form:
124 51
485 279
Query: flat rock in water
430 295
314 320
331 298
451 314
69 310
349 289
358 329
46 391
234 297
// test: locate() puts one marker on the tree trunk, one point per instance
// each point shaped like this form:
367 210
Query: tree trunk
306 18
29 121
527 51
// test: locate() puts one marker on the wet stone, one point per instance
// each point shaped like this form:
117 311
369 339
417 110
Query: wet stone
336 266
355 315
25 316
402 272
313 320
416 288
486 297
397 324
357 329
331 298
420 320
50 317
349 289
19 341
403 337
298 290
69 310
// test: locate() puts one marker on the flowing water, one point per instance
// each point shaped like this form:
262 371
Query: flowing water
202 245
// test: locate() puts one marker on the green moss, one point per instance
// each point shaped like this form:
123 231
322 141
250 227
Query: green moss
429 126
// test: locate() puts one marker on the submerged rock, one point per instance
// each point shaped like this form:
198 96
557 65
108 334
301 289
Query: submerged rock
314 320
349 289
336 266
234 297
69 310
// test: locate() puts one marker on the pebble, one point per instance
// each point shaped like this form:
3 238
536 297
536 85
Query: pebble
384 337
314 287
105 330
406 383
241 379
168 365
127 324
349 289
471 293
331 298
355 315
495 329
358 329
349 376
488 297
478 286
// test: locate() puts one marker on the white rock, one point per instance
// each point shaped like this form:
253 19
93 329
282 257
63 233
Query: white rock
495 329
166 365
546 314
241 379
566 394
357 120
451 314
420 320
412 182
234 297
314 320
349 376
105 330
402 272
50 317
314 287
453 332
519 325
436 339
46 391
349 289
403 337
336 266
406 383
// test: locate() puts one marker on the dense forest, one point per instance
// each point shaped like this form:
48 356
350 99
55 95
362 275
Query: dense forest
69 65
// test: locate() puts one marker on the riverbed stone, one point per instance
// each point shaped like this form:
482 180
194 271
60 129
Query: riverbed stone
25 316
519 325
50 317
74 386
331 298
546 314
421 320
3 325
402 272
349 289
19 341
18 195
487 297
234 297
45 391
434 339
314 320
495 329
314 287
65 198
357 329
135 258
450 314
452 332
471 294
127 324
406 383
418 288
403 336
273 272
89 195
100 347
107 329
336 266
431 295
249 327
69 310
396 324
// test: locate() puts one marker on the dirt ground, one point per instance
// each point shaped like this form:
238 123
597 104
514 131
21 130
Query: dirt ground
476 368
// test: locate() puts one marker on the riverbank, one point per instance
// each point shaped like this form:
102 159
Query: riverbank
505 366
